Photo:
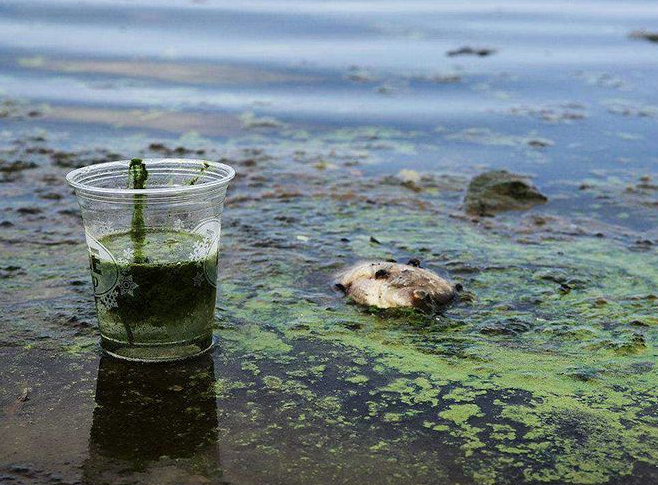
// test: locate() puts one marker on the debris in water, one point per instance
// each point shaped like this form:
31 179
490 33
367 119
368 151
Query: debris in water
551 113
437 78
250 120
499 191
485 136
626 107
394 285
539 143
644 35
471 51
360 75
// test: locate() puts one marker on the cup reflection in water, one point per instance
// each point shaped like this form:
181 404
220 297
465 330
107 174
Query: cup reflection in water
154 424
153 229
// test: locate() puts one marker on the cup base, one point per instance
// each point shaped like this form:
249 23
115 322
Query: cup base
159 352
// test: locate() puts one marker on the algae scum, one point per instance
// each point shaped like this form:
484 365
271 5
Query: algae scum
546 376
543 372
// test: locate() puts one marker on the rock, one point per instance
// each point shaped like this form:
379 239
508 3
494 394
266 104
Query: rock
395 285
499 191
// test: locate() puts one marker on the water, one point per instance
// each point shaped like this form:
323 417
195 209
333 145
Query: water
198 67
132 414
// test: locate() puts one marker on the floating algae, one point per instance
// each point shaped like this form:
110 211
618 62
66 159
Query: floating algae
564 393
509 401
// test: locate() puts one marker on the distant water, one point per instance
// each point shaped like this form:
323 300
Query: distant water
363 63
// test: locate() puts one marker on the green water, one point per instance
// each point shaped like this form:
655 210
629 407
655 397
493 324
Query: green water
163 303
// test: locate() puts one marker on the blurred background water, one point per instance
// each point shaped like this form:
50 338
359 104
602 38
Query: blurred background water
564 93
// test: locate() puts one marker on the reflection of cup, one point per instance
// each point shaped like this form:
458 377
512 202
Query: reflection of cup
152 229
154 424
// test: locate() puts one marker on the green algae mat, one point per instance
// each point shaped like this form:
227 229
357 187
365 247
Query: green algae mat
543 372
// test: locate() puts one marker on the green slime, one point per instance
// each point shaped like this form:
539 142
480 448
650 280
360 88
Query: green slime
163 293
137 175
548 376
164 298
568 398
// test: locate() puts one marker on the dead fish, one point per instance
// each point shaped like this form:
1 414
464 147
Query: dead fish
394 285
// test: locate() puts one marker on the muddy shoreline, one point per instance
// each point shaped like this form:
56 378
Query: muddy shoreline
556 342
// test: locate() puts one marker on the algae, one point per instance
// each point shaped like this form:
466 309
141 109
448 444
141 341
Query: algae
162 296
546 373
137 175
563 332
558 386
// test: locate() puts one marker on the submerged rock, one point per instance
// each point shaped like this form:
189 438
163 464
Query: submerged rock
499 191
395 285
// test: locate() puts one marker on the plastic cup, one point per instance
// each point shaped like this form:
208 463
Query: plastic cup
153 254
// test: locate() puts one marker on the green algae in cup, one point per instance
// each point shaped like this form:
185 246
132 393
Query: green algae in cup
152 228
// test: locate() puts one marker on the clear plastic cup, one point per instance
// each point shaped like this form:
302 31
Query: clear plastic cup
153 253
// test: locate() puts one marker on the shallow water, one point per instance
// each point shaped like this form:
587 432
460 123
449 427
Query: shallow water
547 376
316 66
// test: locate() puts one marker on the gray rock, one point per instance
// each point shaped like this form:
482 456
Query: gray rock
499 191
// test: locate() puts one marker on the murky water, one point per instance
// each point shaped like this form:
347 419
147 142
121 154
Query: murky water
345 120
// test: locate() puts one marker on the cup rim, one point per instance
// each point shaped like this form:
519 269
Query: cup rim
180 189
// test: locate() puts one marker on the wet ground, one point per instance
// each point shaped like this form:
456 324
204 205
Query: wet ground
355 135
